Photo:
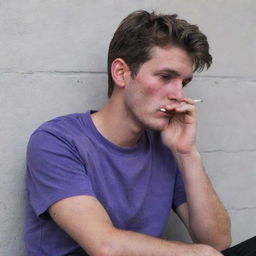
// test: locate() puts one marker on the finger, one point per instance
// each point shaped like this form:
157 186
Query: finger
188 101
172 107
185 107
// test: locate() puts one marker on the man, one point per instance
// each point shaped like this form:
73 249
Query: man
103 183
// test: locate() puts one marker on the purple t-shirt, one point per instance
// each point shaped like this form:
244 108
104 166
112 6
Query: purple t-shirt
67 156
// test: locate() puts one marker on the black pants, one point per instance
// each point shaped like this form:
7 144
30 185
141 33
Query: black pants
246 248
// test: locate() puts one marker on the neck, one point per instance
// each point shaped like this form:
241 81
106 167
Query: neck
116 125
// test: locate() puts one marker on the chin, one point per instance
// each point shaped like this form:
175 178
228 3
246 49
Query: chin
158 125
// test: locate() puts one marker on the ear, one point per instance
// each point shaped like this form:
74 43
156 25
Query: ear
120 72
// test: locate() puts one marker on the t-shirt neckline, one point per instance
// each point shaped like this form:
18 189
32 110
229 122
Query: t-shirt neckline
139 148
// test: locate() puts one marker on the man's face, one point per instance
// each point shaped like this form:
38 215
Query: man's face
159 82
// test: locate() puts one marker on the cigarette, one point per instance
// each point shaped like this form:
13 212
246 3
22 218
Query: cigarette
195 101
163 110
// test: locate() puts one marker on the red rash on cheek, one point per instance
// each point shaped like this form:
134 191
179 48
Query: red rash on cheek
152 89
149 86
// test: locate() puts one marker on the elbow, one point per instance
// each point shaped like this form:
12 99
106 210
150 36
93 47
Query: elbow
226 243
221 237
222 241
218 240
102 250
107 247
224 238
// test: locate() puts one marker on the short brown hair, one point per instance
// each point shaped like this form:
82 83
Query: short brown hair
141 30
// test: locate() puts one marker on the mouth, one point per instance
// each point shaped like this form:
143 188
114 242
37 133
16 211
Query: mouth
167 113
163 110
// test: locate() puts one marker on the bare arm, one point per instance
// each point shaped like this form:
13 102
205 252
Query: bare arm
87 222
203 214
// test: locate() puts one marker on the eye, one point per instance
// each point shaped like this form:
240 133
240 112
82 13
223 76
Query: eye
165 77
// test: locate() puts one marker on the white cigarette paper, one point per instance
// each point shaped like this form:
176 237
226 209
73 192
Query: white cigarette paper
195 101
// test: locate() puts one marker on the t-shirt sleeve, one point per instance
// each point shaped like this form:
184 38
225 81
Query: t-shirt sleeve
179 191
54 171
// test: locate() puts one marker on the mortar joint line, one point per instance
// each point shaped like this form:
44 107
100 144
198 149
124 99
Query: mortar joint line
52 72
240 208
68 72
227 151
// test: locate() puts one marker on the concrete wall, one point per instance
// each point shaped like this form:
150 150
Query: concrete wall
53 62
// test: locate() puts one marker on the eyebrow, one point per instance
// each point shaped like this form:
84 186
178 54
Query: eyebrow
174 73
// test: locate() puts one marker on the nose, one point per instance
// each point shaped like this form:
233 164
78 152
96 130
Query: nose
175 92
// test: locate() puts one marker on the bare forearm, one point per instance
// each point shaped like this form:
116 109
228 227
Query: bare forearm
87 222
208 220
127 243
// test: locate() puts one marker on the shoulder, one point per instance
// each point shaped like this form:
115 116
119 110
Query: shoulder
62 131
68 127
62 124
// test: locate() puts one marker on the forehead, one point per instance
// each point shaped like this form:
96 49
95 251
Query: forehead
173 58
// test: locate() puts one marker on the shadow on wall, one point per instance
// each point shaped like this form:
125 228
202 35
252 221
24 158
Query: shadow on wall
175 230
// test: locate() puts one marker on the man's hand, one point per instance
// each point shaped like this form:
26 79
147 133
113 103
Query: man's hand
180 134
203 213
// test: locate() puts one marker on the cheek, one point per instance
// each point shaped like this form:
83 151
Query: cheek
154 92
149 86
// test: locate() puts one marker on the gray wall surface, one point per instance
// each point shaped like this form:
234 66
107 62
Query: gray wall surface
53 62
